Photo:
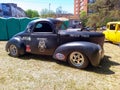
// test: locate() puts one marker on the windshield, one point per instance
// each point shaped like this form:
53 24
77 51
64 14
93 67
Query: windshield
112 26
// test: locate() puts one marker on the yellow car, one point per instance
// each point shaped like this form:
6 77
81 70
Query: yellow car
112 33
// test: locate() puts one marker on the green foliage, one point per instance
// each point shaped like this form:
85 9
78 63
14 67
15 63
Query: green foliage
104 11
83 14
46 13
83 17
32 13
93 19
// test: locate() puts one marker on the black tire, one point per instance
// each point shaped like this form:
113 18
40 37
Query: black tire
78 60
13 50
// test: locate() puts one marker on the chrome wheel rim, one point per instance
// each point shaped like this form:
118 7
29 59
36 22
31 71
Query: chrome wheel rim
13 50
77 59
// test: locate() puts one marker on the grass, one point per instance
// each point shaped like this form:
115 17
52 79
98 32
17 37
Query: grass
34 72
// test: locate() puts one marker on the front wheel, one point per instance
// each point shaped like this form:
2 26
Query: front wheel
13 50
78 60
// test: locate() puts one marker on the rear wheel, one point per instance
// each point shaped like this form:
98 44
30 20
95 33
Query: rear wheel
13 50
78 60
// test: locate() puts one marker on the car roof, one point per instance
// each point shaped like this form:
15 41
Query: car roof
52 20
116 22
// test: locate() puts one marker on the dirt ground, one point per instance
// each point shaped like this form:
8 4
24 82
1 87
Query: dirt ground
33 72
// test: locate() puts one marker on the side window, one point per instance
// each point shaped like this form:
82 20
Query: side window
42 27
112 26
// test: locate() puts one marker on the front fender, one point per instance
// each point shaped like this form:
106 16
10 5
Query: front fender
90 50
18 42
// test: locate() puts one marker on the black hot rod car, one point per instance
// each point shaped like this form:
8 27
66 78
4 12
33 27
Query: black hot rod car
45 37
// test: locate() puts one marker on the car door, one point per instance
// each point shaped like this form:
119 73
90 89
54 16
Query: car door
43 39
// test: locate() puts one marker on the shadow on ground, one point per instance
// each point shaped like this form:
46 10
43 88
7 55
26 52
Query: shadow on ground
117 44
103 68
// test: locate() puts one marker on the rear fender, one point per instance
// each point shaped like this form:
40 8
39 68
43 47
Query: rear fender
90 50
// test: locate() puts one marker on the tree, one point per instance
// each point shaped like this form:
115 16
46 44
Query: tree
83 17
32 13
93 19
60 11
104 11
35 13
46 13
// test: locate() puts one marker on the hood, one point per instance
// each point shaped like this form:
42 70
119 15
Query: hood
80 33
